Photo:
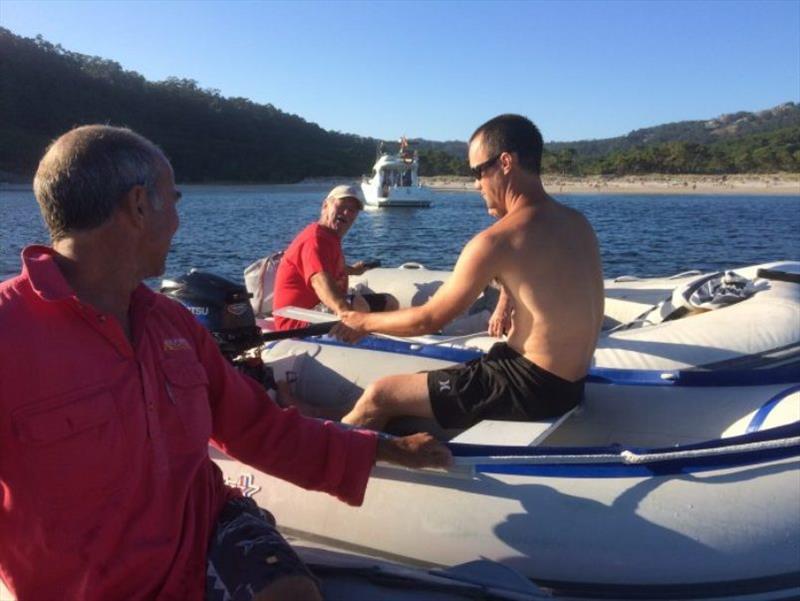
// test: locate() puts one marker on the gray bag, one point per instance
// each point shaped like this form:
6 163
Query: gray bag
259 279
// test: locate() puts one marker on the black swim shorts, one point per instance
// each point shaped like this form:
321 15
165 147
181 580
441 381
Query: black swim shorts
501 385
247 553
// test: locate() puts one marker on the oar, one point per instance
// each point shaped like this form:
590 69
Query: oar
309 315
320 317
317 329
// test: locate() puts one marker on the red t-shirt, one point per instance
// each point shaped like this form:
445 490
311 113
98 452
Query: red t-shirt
315 249
107 490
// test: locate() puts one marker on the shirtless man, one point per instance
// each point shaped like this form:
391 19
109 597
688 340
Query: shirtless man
546 258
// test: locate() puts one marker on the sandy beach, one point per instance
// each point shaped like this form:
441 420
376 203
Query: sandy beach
779 184
756 184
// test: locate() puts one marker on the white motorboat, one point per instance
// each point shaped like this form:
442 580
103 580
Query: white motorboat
677 477
395 181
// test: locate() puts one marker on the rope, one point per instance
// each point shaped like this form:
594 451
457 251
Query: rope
627 457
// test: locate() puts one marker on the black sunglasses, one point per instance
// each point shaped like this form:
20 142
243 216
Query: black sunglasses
477 170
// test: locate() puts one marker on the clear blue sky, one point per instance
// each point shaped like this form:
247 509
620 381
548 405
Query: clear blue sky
436 70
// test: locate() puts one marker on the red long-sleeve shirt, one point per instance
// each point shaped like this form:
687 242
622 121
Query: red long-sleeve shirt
106 488
315 249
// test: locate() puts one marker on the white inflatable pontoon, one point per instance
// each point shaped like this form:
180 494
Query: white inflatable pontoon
677 477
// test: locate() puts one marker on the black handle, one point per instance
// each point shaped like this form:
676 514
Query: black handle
317 329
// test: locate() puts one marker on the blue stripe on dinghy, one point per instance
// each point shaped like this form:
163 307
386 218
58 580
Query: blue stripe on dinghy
372 343
783 374
765 409
726 457
777 586
460 449
621 470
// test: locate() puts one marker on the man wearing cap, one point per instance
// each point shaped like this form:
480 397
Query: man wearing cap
313 269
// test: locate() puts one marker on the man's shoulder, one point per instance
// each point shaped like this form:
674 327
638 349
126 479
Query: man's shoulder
297 242
545 214
163 304
301 235
502 229
578 222
322 233
311 230
324 239
11 293
485 244
312 233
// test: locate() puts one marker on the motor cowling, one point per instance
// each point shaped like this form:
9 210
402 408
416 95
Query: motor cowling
220 305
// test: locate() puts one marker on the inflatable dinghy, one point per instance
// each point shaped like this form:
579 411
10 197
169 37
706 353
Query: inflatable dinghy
677 477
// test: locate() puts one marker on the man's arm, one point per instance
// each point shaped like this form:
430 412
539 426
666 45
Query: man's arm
356 268
473 271
500 321
328 292
317 455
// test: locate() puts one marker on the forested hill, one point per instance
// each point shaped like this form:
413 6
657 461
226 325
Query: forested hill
721 129
45 90
765 141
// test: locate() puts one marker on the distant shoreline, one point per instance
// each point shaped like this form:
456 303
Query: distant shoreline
779 184
770 184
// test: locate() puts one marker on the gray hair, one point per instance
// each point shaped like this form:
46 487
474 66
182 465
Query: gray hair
87 171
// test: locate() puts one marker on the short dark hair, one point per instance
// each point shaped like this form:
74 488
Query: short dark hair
513 133
85 173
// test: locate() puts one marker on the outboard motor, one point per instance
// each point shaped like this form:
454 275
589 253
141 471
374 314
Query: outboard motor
223 307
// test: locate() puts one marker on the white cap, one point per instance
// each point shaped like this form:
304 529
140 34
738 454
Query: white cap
348 192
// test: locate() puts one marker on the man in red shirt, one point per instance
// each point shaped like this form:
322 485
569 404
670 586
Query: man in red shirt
313 269
111 394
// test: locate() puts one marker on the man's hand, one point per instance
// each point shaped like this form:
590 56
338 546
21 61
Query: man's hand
351 328
499 323
357 268
416 450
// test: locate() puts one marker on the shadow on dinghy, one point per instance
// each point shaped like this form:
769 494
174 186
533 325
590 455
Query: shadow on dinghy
347 576
350 576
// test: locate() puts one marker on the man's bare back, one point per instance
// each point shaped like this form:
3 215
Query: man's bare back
549 263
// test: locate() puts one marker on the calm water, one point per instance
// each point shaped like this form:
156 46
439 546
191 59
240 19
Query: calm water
223 229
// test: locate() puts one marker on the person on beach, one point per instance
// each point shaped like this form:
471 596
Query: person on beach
545 256
313 269
111 394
